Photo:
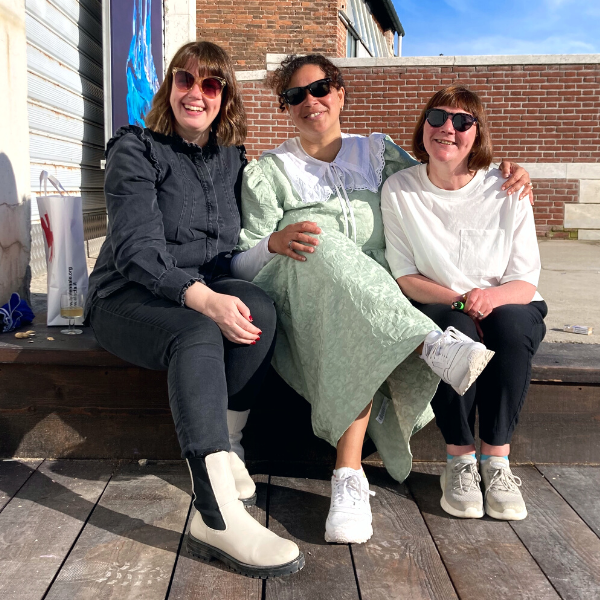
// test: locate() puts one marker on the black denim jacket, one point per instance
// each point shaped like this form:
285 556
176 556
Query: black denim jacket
173 213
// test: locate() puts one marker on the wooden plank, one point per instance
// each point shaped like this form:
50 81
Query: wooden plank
561 543
297 510
567 363
559 424
66 350
484 557
41 523
129 545
579 486
207 581
401 560
13 474
58 413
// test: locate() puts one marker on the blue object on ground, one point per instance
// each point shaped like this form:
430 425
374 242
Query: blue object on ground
15 313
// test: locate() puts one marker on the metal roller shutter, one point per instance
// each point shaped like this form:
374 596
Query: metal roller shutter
65 98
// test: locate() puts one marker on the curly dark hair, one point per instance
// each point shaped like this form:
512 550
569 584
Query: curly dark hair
279 81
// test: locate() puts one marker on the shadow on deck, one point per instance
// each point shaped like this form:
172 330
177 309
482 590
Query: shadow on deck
115 530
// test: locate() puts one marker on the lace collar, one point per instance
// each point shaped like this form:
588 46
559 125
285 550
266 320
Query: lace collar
358 166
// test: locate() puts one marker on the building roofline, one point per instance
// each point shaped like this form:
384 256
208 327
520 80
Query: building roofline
385 13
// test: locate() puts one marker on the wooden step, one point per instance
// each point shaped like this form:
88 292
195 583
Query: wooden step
67 397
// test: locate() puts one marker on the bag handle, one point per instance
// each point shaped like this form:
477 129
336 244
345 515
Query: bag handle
45 177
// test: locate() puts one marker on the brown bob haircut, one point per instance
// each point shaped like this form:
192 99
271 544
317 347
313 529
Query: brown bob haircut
229 127
281 77
458 96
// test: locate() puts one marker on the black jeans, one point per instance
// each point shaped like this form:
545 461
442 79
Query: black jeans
514 332
207 374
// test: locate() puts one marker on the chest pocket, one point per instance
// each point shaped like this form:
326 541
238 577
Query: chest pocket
481 252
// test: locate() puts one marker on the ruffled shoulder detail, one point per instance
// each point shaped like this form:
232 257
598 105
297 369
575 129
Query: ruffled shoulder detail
258 181
395 159
261 208
144 136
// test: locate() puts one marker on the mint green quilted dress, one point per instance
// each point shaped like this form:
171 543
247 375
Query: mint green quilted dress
344 326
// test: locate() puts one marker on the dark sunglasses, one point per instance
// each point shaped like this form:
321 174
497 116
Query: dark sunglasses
318 89
436 117
211 87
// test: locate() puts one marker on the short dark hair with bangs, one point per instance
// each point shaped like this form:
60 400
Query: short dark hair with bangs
281 77
458 96
229 127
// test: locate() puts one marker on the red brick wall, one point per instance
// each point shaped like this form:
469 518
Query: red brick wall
538 113
550 198
250 29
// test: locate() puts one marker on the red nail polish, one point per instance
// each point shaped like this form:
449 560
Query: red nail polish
260 333
250 318
253 344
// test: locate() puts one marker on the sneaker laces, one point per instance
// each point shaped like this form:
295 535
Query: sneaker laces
467 472
504 480
349 490
442 345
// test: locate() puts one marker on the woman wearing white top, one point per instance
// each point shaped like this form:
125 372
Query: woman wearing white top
343 324
453 236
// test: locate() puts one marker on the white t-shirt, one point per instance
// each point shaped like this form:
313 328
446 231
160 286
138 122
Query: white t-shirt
475 237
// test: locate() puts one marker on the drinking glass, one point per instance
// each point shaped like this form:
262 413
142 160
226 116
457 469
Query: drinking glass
71 307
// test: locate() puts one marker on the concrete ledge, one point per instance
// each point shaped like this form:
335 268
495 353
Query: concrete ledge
274 60
589 191
563 170
591 235
583 171
585 216
251 75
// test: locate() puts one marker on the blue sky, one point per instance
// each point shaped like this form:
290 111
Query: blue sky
455 27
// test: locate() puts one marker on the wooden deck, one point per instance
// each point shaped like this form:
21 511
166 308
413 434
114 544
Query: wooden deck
83 529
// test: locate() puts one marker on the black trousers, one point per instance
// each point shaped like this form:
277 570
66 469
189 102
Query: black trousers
514 332
207 374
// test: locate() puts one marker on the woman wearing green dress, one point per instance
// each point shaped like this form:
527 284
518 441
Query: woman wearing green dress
344 327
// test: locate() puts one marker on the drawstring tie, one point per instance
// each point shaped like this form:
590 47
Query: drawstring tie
343 198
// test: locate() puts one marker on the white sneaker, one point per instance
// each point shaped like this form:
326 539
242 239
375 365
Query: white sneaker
349 519
455 358
461 495
503 499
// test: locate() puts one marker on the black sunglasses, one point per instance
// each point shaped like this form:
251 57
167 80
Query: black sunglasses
436 117
318 89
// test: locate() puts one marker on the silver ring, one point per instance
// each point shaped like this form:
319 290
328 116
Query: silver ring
479 314
290 244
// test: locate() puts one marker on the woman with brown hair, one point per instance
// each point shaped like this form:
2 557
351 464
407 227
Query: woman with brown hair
162 297
466 253
343 325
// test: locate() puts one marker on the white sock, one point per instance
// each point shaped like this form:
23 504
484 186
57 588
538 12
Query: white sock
347 471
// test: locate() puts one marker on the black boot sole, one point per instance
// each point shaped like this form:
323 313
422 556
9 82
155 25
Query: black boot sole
207 552
249 501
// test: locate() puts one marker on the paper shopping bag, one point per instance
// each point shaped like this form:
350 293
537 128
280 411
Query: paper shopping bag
62 223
